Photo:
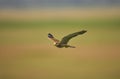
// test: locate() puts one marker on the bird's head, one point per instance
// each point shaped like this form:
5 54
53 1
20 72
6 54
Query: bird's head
50 35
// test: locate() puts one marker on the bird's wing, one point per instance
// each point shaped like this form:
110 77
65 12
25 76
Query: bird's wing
52 38
66 39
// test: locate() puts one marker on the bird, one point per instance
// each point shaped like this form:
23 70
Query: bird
64 41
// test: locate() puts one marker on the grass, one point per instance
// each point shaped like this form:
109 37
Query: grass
27 53
92 23
37 62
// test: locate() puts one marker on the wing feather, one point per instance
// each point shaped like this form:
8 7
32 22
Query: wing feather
66 39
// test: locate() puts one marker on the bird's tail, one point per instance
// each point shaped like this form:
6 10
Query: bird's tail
66 46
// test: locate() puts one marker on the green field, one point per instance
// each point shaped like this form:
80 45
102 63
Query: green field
27 53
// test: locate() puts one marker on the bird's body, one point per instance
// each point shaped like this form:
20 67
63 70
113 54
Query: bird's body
65 40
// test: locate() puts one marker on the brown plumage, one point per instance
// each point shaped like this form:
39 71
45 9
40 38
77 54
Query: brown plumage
65 40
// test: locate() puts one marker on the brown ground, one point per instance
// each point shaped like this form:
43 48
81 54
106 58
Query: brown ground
29 54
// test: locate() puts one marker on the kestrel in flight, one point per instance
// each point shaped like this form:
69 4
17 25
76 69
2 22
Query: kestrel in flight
65 40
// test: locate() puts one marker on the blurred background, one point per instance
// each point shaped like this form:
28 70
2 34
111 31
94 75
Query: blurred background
27 53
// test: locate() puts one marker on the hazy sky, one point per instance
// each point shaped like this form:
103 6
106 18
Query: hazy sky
55 3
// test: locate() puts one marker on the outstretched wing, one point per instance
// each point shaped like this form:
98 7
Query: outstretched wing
52 38
66 39
50 35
